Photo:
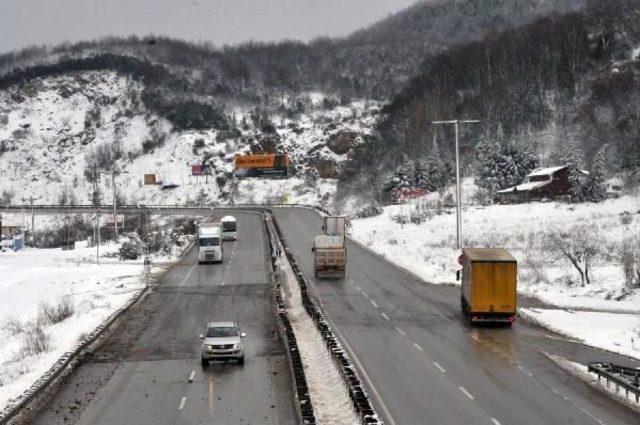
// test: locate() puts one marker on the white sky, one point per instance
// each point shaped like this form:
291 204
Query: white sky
28 22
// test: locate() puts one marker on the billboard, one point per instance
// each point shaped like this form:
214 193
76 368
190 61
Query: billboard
276 166
196 170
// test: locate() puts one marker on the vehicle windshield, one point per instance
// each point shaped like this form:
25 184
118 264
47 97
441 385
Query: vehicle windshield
229 226
209 241
221 332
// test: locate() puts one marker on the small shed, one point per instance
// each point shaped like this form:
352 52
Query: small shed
544 183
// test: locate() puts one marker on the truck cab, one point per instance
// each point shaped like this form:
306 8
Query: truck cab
209 243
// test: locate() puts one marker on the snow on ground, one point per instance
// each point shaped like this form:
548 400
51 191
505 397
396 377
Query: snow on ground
50 125
33 278
330 397
582 372
615 332
288 191
426 249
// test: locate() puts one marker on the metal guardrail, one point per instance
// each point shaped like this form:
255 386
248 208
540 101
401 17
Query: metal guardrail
626 378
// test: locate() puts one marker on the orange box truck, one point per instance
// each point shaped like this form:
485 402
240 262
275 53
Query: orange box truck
489 285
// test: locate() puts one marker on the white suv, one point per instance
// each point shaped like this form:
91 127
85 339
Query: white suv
222 341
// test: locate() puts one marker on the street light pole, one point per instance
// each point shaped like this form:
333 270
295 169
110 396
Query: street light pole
456 124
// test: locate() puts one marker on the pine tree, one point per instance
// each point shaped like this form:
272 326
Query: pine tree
594 188
574 160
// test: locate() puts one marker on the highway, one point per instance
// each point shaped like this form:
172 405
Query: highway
148 371
423 364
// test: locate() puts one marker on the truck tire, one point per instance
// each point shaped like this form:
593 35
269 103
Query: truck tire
241 361
205 362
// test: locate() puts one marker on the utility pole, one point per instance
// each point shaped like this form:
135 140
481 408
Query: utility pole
456 124
33 222
115 217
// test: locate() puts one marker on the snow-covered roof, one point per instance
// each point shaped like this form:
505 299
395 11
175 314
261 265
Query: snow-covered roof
545 171
524 187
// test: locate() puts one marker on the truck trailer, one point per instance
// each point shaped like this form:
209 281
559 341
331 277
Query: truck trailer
330 256
489 285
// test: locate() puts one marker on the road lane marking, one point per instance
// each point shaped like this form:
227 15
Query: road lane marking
210 394
188 274
465 392
495 421
385 316
401 331
193 374
440 368
373 303
182 402
474 337
418 347
586 412
365 295
354 359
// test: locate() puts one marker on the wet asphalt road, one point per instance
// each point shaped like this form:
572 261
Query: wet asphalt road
423 364
141 374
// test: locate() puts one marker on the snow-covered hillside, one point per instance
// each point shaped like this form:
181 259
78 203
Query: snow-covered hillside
49 127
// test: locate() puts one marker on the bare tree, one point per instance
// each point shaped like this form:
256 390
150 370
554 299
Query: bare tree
580 245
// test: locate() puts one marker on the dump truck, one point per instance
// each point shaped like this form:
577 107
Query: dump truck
489 285
329 249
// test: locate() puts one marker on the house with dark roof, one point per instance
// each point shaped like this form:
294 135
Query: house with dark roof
545 183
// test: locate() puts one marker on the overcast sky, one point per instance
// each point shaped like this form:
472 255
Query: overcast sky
28 22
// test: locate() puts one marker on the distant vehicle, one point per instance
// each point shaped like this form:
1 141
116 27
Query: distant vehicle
329 250
489 285
210 243
222 341
229 228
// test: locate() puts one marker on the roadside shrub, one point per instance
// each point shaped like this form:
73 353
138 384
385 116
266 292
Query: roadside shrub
35 341
630 260
52 314
13 326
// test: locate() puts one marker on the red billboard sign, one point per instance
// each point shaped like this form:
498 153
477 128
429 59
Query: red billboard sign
196 170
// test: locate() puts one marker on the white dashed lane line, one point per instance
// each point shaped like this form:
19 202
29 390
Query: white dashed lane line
440 368
182 402
373 303
418 346
495 421
385 316
365 295
193 374
465 392
401 331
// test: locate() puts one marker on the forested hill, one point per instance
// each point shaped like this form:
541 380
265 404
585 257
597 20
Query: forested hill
374 62
566 84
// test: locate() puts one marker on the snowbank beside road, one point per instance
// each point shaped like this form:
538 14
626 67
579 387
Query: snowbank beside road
68 286
615 332
426 249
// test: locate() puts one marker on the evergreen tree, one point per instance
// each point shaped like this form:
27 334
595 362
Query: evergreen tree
594 187
574 159
502 166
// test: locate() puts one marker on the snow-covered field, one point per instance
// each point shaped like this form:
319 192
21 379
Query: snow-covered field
38 284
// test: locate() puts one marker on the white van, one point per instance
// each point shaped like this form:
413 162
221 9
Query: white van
229 228
210 243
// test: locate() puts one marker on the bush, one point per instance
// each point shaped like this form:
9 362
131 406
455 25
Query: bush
52 314
35 341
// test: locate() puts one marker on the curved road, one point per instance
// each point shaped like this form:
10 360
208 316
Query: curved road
424 365
141 374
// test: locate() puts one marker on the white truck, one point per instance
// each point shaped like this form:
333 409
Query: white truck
329 250
210 243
